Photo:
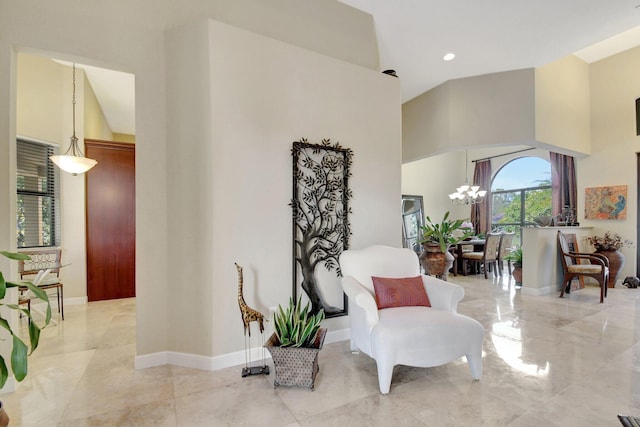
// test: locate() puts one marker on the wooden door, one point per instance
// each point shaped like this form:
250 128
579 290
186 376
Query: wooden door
111 227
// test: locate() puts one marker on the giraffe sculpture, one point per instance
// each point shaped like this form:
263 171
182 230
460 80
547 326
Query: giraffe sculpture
248 314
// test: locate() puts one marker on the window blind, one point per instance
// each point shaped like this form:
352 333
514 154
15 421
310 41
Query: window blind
38 216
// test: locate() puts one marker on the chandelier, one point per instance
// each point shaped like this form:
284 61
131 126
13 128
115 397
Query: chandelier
467 194
73 161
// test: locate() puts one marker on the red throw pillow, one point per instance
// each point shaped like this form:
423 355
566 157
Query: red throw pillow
403 292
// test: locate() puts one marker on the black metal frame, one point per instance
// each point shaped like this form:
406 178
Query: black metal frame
638 116
320 205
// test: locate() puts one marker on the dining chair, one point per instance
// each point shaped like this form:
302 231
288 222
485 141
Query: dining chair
504 248
485 259
598 267
43 259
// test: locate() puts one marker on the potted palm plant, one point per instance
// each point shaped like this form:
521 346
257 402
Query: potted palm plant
436 240
295 344
19 350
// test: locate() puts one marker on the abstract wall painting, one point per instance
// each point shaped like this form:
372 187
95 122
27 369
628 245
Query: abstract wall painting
605 202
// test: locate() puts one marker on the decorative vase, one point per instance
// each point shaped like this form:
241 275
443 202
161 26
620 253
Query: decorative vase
517 274
4 418
295 366
616 262
434 261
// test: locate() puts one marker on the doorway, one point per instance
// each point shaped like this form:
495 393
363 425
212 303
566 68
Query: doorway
110 219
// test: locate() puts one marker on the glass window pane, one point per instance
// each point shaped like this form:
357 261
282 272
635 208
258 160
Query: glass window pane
536 203
35 221
525 178
506 208
523 172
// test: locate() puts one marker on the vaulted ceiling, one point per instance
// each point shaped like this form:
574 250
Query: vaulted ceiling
493 35
486 36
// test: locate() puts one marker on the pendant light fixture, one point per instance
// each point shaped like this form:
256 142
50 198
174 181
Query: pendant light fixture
73 161
467 194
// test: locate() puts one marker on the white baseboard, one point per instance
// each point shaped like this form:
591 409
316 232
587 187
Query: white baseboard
214 363
337 336
537 291
76 301
54 304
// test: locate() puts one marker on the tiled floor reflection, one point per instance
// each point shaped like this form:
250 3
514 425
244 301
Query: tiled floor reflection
548 362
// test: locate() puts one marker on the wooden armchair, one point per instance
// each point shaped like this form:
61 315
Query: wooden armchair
598 267
43 259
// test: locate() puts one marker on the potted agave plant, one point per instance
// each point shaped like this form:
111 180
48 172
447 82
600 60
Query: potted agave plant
19 350
295 344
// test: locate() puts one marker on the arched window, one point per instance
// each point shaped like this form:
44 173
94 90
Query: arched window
521 192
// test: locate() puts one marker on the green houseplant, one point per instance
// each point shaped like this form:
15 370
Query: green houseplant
295 344
443 233
516 257
296 327
436 240
19 350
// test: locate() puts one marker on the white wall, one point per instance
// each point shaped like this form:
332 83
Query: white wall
259 96
39 104
426 124
95 123
545 107
562 110
190 212
496 109
493 109
434 178
615 84
130 37
34 28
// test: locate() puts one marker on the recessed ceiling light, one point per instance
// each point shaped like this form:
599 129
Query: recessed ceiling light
449 56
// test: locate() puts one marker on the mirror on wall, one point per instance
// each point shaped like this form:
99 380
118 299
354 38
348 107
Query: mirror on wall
412 220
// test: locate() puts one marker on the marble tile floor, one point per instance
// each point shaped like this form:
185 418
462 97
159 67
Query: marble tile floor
547 362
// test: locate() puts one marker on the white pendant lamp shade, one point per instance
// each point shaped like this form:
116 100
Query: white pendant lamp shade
467 194
73 161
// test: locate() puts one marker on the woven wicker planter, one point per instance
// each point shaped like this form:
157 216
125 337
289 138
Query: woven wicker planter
295 366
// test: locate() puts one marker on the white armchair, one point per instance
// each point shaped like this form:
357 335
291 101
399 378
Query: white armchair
412 336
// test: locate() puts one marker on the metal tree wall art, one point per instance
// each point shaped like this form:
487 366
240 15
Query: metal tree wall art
321 230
